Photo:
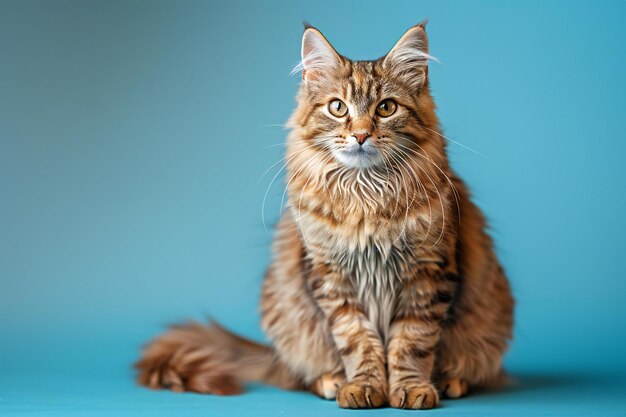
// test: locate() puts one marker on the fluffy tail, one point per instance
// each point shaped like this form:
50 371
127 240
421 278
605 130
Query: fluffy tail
210 359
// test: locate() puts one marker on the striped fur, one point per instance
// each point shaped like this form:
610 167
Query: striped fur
384 287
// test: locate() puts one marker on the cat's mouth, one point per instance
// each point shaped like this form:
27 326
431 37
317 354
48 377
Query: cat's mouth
358 156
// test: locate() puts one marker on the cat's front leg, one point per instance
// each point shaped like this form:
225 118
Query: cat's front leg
414 336
357 341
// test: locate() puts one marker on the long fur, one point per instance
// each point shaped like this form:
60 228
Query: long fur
384 287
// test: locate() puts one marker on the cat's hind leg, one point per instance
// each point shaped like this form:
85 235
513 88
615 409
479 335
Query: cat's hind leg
327 385
453 387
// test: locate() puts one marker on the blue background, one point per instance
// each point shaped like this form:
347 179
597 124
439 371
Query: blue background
133 141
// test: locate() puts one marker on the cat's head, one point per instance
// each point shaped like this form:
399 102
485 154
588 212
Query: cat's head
366 114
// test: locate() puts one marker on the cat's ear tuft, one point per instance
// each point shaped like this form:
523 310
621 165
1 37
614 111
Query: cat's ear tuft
408 59
318 56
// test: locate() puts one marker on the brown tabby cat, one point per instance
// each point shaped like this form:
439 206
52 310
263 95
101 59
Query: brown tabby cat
384 287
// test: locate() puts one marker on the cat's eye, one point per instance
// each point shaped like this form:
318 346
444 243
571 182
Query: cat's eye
386 108
337 108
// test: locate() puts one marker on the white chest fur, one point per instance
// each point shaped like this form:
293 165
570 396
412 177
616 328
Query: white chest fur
377 282
369 256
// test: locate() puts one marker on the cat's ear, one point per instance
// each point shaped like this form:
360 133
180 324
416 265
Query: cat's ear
318 55
408 59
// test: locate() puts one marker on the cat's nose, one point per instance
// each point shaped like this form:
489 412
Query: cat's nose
361 137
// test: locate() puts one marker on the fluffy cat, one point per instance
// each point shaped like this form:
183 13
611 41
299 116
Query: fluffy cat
384 286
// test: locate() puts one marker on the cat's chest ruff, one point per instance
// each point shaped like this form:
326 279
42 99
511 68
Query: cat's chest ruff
376 278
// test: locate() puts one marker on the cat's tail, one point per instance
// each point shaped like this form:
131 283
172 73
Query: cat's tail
210 359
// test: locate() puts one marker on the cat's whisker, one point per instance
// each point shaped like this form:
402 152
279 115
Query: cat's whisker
455 192
430 209
406 206
428 159
275 145
300 209
327 242
387 168
389 155
298 170
276 163
406 188
401 172
454 141
289 158
272 125
439 195
440 198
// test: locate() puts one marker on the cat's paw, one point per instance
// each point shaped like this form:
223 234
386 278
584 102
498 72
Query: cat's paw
326 386
368 394
414 396
453 387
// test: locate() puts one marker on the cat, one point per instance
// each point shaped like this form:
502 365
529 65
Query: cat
384 287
